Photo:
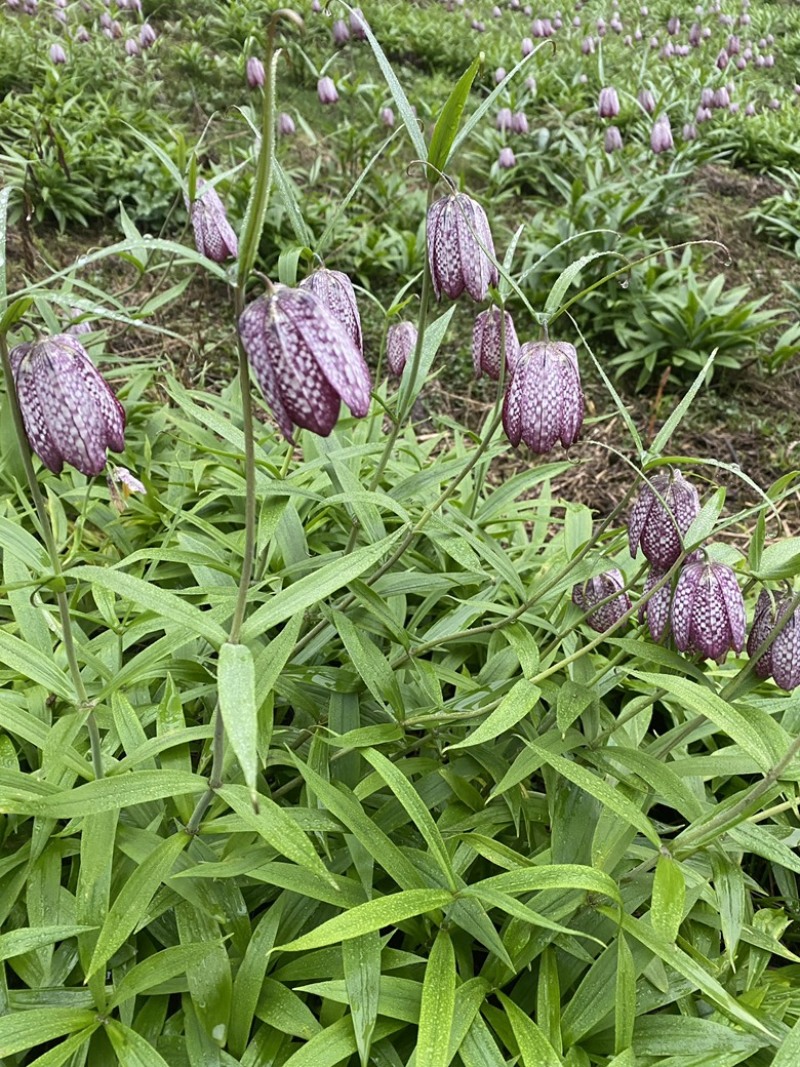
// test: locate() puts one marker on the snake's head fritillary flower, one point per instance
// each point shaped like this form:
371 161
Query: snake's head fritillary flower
286 125
654 608
358 24
304 360
613 140
544 400
519 122
335 290
708 615
647 101
506 160
401 340
57 54
487 343
387 117
782 658
131 47
505 119
689 132
213 234
608 103
69 411
147 36
661 135
663 512
341 34
601 587
459 239
326 90
255 73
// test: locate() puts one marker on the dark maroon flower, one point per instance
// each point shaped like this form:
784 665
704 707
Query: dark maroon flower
782 658
304 360
708 610
213 234
401 340
335 290
544 400
70 413
655 610
459 239
486 344
664 510
605 585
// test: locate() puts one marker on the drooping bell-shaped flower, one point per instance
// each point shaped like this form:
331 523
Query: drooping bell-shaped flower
664 510
147 36
504 119
213 234
708 615
70 413
544 400
341 34
286 125
608 103
326 90
401 340
487 343
459 246
519 122
654 608
387 117
335 290
782 658
304 360
506 160
255 73
613 140
661 135
647 101
57 54
588 596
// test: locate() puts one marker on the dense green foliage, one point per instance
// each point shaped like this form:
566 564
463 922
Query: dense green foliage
451 823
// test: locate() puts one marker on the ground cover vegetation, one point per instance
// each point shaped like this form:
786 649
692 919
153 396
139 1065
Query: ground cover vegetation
413 694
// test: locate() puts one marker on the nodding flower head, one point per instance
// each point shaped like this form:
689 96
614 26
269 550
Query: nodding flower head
601 587
69 411
608 103
708 614
782 658
255 73
459 248
664 510
336 292
304 360
401 340
544 400
213 234
326 90
487 343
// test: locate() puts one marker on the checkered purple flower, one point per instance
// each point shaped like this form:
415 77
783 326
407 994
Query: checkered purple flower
213 234
459 239
544 400
708 614
401 340
655 609
304 360
601 587
335 290
664 510
782 658
69 411
487 344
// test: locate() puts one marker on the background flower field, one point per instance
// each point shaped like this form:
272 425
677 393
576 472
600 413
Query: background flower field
460 814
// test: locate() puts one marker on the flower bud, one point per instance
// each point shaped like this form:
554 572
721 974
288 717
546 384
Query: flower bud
69 412
459 239
544 400
647 101
664 510
504 119
401 340
487 344
304 360
599 588
341 34
213 234
519 122
708 614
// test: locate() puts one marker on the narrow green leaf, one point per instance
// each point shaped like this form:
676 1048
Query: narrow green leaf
282 1008
548 998
565 279
158 968
315 587
669 896
28 661
236 688
134 898
117 791
336 1043
558 876
625 1001
438 1004
18 942
210 985
415 808
674 420
22 1030
58 1056
276 827
131 1048
534 1048
788 1055
446 128
361 960
515 705
249 978
374 914
608 796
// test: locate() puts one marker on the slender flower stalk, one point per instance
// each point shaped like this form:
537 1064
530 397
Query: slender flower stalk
83 703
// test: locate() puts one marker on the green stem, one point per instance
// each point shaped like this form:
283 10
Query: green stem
250 483
46 531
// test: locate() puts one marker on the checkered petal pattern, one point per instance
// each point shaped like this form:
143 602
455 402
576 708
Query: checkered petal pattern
655 610
69 411
486 343
458 241
335 290
708 615
304 360
544 400
401 340
782 658
213 234
597 589
662 514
